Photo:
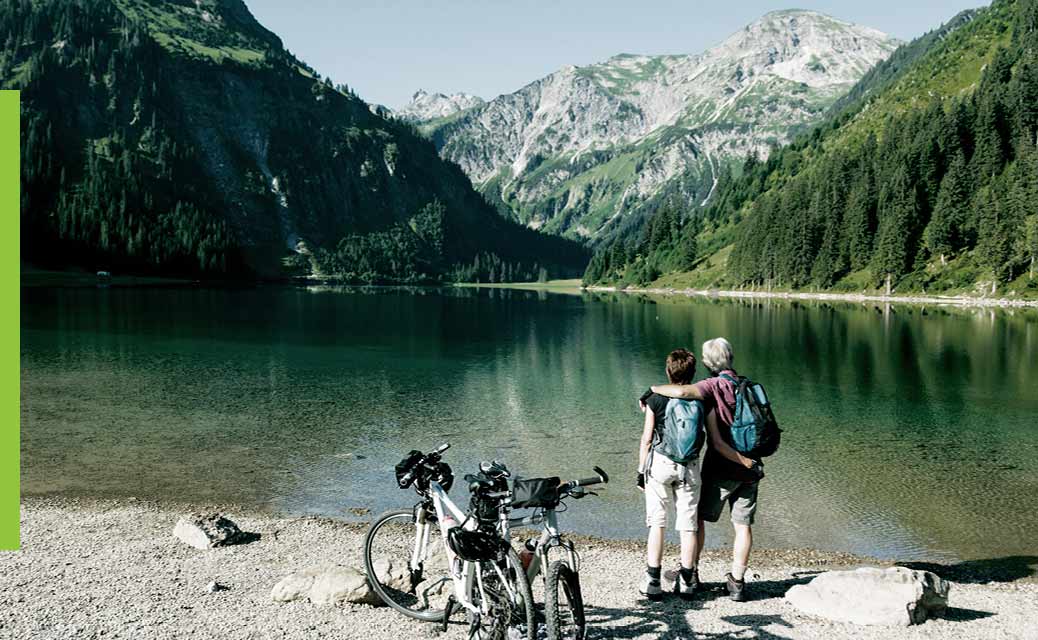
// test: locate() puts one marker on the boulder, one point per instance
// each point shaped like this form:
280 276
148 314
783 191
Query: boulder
394 575
433 593
869 596
325 585
208 531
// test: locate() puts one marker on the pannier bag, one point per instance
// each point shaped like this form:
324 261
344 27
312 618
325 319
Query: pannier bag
755 431
476 546
535 492
681 434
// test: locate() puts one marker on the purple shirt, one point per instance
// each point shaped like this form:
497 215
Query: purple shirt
719 394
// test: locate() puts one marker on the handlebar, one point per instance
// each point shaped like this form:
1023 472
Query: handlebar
408 478
601 478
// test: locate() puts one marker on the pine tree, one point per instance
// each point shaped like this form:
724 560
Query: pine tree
990 153
861 219
898 216
946 230
994 244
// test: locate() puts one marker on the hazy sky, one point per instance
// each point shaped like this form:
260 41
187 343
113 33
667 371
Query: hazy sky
387 49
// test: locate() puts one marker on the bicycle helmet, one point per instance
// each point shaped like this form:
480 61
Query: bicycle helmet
475 546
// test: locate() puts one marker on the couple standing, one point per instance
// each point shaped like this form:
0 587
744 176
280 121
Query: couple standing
677 416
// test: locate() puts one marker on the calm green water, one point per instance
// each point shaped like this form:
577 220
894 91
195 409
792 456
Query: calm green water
910 432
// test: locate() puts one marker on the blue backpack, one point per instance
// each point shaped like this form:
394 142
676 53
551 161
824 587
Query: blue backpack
755 432
681 434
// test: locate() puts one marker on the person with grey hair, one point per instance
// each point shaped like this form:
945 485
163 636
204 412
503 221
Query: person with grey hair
728 477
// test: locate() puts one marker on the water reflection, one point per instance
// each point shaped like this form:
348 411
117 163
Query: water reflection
902 422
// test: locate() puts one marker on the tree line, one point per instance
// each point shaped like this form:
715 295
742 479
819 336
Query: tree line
956 178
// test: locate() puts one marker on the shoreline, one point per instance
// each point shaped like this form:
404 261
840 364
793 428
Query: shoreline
105 568
918 299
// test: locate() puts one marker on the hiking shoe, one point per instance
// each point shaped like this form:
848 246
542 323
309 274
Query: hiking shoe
736 588
650 588
687 589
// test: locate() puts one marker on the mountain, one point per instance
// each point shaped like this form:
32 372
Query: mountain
925 180
425 106
179 136
588 151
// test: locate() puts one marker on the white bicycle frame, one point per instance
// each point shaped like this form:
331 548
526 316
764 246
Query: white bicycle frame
463 573
549 538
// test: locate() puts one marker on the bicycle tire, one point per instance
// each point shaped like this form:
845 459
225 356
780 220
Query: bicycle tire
396 598
523 612
563 581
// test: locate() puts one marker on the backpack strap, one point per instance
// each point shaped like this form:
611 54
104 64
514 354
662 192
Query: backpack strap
730 378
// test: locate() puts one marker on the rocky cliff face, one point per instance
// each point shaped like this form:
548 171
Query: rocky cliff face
587 151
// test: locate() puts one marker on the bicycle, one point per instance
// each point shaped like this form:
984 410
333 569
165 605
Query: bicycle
563 600
485 573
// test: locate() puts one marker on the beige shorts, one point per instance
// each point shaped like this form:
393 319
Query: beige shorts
669 483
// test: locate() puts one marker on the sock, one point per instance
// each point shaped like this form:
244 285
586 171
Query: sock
688 574
738 571
654 572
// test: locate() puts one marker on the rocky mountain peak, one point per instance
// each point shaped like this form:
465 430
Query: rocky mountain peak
579 151
426 106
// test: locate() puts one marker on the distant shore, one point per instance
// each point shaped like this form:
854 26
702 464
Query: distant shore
960 301
112 569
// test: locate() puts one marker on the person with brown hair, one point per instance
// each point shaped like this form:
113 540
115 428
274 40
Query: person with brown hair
668 473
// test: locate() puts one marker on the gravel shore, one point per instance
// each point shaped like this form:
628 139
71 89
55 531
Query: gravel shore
956 301
112 569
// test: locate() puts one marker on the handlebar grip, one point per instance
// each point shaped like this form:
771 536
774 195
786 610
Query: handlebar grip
407 479
585 482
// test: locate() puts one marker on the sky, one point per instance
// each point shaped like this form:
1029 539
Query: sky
387 49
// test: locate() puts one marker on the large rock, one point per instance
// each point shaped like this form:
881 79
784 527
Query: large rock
894 597
394 575
205 531
326 585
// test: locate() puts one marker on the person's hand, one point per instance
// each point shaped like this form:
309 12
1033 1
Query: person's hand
757 469
641 481
641 400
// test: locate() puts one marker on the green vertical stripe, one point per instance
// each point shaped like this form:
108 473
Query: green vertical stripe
10 390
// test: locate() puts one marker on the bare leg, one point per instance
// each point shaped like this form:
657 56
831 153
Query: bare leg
654 551
741 550
700 541
689 549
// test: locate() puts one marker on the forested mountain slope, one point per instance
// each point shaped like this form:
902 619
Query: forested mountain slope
927 181
180 137
591 152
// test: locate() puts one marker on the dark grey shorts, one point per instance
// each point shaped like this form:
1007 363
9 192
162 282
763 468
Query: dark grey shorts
740 496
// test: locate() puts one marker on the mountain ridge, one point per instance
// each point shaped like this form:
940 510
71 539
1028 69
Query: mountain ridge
586 150
179 136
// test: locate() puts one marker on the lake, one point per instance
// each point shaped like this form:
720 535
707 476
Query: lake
909 431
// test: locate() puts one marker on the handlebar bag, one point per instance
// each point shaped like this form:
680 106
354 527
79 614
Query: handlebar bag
535 492
405 465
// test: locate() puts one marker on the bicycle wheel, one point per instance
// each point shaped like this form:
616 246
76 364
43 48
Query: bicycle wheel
504 596
563 603
418 593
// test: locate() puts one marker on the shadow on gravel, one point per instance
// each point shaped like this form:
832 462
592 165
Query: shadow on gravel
666 619
1008 569
958 614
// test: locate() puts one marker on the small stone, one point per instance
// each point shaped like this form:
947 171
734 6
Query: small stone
208 531
215 586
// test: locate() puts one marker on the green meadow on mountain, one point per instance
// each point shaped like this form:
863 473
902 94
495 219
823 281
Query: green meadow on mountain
180 137
925 178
